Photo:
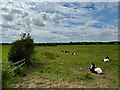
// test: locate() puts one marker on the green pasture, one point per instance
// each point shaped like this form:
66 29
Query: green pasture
5 49
52 64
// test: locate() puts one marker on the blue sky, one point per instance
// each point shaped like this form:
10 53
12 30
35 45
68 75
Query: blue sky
60 21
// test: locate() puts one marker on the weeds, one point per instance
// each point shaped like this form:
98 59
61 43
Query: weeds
21 71
6 75
86 76
50 55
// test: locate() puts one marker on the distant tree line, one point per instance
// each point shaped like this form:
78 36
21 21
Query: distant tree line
70 43
75 43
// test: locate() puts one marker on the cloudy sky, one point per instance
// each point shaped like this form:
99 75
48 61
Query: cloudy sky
59 21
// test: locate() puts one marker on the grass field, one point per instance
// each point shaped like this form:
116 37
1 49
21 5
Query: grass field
53 68
5 50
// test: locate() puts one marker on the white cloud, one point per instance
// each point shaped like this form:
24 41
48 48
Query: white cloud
38 22
39 32
55 22
8 17
62 0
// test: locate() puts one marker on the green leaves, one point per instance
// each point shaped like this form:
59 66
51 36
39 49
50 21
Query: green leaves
21 49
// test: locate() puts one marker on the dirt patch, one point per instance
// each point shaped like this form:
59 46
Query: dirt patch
33 67
30 81
40 82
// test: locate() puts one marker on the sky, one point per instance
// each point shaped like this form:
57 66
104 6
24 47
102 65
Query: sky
49 22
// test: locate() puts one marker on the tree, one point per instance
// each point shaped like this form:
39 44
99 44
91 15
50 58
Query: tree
21 49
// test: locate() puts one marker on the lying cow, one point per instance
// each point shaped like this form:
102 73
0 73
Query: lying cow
73 53
106 59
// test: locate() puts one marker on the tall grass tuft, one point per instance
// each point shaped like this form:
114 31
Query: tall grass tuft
50 55
6 75
86 76
21 71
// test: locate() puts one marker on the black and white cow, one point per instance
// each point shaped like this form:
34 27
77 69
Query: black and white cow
95 69
66 52
73 53
62 50
106 59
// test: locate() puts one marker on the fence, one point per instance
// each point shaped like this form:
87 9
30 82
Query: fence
17 65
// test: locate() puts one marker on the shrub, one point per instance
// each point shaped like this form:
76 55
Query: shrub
21 71
6 75
21 49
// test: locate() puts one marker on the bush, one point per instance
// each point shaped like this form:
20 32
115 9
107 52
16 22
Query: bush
6 75
21 71
21 49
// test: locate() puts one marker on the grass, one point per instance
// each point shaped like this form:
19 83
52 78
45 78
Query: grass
5 49
6 70
86 76
70 67
74 68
